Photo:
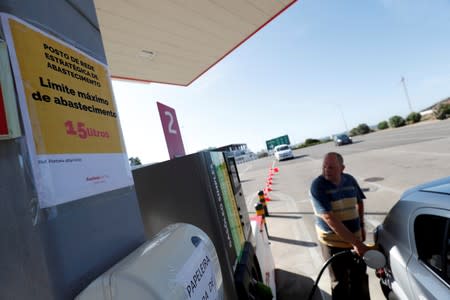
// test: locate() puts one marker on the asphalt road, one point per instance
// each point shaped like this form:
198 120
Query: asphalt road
385 163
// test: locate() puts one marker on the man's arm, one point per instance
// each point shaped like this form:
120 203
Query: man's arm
360 207
339 228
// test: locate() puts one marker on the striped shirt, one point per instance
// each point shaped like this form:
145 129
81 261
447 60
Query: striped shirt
341 200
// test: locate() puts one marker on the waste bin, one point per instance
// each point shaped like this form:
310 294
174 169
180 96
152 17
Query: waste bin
178 263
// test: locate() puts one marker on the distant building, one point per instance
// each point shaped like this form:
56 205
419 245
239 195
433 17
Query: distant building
240 152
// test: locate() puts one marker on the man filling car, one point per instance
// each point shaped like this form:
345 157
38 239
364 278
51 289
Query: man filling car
338 205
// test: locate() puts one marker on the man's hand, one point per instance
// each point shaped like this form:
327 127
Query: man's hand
360 248
338 227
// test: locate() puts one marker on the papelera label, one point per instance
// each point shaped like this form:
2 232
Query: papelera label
197 276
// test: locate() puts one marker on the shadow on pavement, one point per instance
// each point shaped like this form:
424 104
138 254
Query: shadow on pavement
293 212
293 242
291 286
246 180
283 216
300 156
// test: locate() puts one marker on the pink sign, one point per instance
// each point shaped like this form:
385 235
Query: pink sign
3 122
171 130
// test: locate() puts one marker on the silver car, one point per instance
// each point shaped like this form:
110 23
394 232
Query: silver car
415 238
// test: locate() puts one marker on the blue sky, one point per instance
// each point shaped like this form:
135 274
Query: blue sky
318 64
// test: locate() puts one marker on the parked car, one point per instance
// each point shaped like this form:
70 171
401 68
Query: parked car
342 139
415 238
282 152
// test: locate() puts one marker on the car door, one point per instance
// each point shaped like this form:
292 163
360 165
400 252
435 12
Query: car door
429 267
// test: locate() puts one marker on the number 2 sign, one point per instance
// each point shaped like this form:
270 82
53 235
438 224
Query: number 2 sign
170 125
171 130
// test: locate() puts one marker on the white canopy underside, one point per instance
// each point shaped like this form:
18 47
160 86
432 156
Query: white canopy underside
176 41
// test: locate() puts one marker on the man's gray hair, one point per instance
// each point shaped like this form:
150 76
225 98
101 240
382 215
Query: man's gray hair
338 157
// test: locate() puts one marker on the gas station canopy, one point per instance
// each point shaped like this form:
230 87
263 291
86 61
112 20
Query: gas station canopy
176 41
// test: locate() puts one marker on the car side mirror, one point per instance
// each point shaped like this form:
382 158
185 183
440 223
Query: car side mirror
374 259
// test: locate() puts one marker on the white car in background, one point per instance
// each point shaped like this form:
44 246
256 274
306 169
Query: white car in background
282 152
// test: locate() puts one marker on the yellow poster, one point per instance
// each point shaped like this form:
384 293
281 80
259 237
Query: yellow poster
69 116
68 95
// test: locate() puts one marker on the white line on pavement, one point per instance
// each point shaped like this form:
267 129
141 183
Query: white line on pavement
372 222
420 152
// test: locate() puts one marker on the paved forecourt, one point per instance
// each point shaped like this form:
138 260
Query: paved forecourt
385 164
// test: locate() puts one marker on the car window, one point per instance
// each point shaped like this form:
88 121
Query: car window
432 234
282 148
